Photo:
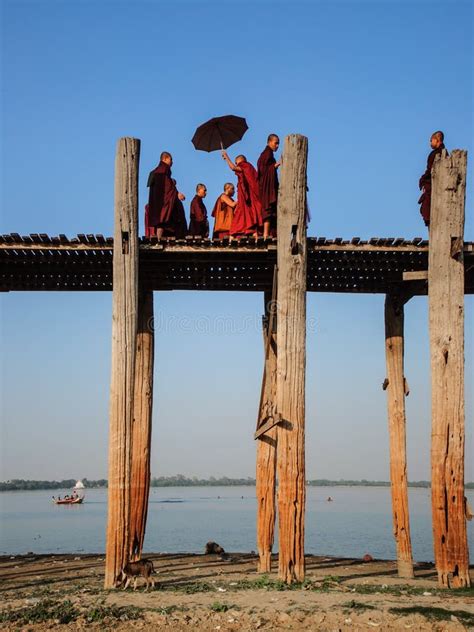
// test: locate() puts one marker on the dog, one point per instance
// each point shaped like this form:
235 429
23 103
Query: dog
214 548
133 570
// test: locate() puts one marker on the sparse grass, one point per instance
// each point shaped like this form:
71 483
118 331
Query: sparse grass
265 583
46 610
405 589
66 612
166 610
435 614
217 606
357 605
100 613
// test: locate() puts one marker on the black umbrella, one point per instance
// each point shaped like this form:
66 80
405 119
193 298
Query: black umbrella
219 132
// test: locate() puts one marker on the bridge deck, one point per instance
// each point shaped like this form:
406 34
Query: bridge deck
84 263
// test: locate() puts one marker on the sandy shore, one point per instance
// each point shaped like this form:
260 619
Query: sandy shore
203 592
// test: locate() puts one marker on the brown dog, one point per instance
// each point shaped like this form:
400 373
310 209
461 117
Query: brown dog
214 548
133 570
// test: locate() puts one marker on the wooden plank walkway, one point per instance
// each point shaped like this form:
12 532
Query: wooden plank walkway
38 262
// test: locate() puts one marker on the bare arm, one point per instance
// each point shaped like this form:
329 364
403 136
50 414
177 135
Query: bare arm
225 156
229 201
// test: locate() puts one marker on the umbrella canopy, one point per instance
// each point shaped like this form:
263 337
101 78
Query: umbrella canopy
219 132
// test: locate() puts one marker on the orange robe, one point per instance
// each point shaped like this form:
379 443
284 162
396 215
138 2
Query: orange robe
223 215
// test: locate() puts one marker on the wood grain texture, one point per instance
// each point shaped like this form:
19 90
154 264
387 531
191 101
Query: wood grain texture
291 358
396 388
124 332
267 446
142 424
446 321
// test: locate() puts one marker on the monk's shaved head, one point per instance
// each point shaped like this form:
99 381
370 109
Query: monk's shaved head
165 155
199 187
273 142
240 158
436 140
228 185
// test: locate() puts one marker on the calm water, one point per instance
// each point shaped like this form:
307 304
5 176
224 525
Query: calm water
183 519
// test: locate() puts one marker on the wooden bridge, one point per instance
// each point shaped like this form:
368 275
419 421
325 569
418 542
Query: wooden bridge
378 265
284 270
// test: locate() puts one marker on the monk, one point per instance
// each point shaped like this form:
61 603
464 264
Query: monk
437 146
223 212
199 225
247 218
165 212
268 185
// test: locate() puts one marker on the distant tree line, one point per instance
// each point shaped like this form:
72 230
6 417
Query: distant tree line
182 481
67 483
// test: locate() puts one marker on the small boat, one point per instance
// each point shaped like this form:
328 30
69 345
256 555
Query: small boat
68 501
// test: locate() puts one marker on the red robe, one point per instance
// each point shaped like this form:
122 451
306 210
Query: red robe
163 204
268 185
248 212
198 225
425 186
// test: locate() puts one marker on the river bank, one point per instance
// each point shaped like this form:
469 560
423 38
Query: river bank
203 592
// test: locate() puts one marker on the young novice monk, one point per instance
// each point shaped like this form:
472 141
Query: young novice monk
199 225
223 212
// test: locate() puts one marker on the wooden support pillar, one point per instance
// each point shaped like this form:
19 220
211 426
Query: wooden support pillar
267 445
142 422
124 332
291 357
446 317
395 385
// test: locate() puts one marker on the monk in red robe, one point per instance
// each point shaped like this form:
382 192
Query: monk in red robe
268 185
223 212
199 225
437 145
248 211
165 212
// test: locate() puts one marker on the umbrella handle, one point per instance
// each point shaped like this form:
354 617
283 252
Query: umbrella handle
222 146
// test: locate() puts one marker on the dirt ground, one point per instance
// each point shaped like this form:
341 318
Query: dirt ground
205 593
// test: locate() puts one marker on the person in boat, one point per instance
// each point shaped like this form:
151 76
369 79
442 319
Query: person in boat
223 212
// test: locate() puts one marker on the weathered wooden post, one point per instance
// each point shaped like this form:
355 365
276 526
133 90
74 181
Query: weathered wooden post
291 357
267 443
446 317
396 388
124 332
142 422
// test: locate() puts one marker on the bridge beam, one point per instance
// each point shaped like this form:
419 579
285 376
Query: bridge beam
142 424
267 442
291 357
446 320
124 333
396 388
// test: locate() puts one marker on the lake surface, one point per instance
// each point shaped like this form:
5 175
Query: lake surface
183 519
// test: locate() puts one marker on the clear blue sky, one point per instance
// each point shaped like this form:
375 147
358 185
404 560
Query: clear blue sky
367 82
